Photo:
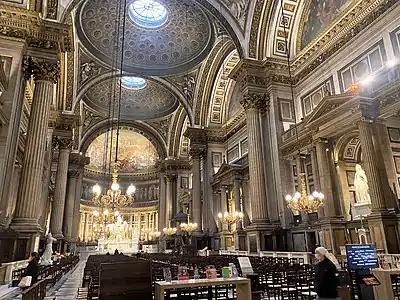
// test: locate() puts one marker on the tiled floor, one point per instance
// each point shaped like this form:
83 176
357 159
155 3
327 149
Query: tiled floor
67 287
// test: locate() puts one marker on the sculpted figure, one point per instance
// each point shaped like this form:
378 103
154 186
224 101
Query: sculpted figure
48 252
361 185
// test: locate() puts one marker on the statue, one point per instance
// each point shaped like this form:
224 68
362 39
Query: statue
48 252
361 185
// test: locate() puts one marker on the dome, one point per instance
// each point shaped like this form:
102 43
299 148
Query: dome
140 98
161 37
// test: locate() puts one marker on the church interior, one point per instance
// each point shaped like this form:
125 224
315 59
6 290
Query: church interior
209 129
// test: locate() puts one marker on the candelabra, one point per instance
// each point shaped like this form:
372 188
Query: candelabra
114 196
230 217
301 201
169 230
155 234
188 227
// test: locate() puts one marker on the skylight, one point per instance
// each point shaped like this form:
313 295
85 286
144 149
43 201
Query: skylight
133 83
148 13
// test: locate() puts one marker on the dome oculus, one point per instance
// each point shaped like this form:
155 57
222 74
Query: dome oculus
148 13
133 83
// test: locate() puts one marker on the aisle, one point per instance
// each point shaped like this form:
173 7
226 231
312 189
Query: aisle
67 287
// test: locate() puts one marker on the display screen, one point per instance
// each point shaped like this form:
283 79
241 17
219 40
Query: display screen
361 256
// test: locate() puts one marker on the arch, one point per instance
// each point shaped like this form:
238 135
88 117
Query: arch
162 81
222 90
208 72
176 133
348 147
147 131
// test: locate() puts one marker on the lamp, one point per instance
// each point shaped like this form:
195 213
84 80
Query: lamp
188 227
302 201
169 230
230 217
114 196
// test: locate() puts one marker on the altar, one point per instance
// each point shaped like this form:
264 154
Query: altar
119 235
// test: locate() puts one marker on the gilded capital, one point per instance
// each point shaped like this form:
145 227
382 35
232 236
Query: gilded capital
41 69
255 101
73 173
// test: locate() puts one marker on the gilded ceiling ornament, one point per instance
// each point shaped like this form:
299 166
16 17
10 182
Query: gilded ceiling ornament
255 101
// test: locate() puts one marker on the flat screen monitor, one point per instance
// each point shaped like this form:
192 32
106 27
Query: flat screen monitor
361 256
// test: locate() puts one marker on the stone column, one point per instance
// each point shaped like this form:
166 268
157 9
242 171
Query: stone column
13 191
253 105
224 206
246 202
26 216
236 193
162 203
315 171
85 228
57 213
196 187
70 205
77 208
169 178
325 180
370 164
46 179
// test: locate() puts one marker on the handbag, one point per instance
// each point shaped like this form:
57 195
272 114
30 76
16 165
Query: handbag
25 282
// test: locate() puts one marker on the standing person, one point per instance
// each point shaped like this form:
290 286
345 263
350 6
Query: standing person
33 267
326 276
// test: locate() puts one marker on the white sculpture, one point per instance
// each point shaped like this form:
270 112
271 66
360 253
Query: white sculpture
361 185
48 252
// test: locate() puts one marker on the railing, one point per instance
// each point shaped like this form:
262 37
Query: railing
35 292
304 255
10 267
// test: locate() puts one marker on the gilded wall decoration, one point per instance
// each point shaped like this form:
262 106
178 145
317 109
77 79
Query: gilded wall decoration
135 152
319 15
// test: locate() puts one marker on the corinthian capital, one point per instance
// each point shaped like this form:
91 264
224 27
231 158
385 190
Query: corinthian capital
197 152
62 143
41 69
255 101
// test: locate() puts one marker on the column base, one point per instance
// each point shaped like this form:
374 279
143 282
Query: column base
333 234
58 235
256 233
240 240
25 225
384 231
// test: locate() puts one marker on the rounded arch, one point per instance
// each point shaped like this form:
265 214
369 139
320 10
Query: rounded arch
176 133
144 129
209 71
348 147
162 81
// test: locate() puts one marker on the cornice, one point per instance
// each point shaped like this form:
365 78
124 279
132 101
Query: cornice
22 24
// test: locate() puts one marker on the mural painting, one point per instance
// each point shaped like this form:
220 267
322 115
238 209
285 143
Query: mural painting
321 13
135 152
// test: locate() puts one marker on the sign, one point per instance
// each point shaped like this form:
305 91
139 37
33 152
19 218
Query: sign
361 256
245 265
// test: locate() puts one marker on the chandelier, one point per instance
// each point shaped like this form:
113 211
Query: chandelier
114 196
303 202
188 227
169 230
230 217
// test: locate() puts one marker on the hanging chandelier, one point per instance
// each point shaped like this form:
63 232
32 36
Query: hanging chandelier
189 227
302 202
169 230
114 196
230 217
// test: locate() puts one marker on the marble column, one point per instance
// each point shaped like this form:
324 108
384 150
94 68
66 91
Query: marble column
169 179
70 205
85 228
13 191
162 203
27 212
57 213
224 205
325 180
196 187
246 202
253 105
370 165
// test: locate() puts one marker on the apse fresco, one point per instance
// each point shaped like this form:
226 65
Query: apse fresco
320 15
135 152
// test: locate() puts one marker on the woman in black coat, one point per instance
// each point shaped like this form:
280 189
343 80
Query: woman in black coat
33 267
326 276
